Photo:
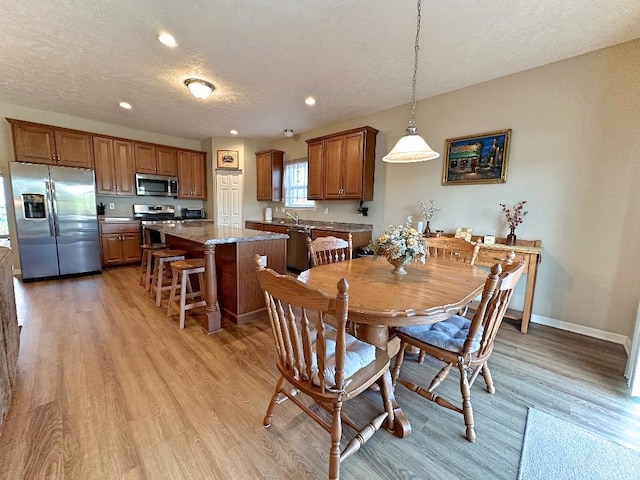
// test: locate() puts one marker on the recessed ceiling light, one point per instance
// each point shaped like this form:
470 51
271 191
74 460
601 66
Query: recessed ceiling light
310 101
233 132
167 39
125 105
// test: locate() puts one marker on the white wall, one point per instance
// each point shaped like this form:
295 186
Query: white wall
574 158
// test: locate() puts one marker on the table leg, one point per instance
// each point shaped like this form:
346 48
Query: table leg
212 308
378 335
528 294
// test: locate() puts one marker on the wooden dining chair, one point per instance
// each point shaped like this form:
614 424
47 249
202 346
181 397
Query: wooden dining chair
455 249
467 344
325 363
329 249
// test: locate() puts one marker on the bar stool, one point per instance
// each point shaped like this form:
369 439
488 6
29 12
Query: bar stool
146 265
181 273
160 280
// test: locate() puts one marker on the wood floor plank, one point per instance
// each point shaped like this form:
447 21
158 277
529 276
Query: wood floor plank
110 388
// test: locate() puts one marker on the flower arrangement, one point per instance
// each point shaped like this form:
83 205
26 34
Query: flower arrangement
400 242
514 214
430 211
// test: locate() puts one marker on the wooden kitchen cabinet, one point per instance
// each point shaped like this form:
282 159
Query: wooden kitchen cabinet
315 181
120 243
36 143
275 228
253 225
269 166
155 159
114 166
192 175
345 163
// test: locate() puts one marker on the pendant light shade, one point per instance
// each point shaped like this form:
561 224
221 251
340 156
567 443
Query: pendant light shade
200 89
412 147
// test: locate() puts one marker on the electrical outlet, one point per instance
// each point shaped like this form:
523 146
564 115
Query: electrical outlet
326 210
277 209
112 206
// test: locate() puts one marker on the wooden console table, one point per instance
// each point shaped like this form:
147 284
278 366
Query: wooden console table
530 252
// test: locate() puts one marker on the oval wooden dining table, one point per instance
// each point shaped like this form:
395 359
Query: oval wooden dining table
379 299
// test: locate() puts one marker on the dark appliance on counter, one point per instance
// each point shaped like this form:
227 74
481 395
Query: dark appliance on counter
56 220
156 185
297 253
193 213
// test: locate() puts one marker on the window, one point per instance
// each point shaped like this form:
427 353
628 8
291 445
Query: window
295 184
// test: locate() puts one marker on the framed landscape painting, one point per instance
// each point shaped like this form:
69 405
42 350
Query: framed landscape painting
228 159
481 158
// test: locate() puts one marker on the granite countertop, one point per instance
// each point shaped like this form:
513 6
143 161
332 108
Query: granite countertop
335 226
208 233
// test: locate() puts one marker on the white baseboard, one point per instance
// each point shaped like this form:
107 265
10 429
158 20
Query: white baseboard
581 329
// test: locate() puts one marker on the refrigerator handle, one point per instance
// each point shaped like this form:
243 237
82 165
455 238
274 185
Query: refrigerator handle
54 229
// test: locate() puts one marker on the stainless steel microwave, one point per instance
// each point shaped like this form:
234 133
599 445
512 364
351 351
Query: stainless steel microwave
156 185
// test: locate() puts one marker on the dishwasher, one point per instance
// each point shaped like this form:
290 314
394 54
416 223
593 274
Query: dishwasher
297 254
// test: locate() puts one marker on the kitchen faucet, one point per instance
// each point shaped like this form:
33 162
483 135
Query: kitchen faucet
294 216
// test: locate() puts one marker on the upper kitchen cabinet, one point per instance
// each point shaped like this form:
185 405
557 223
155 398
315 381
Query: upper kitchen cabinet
269 173
36 143
114 166
192 175
342 165
155 159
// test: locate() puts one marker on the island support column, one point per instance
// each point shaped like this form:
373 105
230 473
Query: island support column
212 308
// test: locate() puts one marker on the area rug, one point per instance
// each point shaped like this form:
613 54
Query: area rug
556 449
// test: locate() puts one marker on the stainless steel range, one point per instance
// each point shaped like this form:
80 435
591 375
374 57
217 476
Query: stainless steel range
150 214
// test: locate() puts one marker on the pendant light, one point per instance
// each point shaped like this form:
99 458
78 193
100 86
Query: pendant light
412 147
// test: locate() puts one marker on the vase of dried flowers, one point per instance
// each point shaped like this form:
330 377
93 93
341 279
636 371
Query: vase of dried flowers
427 214
514 216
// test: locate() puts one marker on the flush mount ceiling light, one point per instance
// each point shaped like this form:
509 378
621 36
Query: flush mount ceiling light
233 132
167 40
125 105
200 89
412 147
310 101
288 132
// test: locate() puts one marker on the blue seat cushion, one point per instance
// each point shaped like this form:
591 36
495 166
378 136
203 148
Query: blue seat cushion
358 355
449 334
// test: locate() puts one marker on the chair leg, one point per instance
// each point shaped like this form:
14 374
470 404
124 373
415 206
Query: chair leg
172 293
486 374
159 281
276 399
398 363
467 410
439 378
336 435
421 356
149 276
183 296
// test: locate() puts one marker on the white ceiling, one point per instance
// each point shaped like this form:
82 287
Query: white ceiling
82 57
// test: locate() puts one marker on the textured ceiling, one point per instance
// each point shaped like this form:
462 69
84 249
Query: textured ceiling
82 57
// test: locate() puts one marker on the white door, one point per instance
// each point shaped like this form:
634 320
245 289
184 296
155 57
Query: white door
229 198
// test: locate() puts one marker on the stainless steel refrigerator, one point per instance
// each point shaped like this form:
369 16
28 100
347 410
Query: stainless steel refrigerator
56 220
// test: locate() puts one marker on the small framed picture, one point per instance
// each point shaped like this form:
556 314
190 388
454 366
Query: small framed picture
489 240
480 158
228 159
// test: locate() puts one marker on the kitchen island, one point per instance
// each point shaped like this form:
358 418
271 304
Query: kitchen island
231 284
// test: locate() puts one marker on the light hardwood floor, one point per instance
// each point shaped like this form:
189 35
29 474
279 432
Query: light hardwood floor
109 388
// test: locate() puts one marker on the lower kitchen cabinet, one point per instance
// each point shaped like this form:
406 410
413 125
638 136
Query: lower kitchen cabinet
120 243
